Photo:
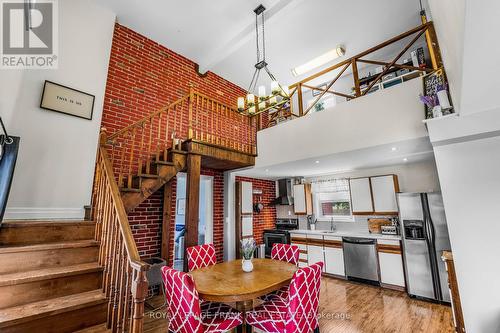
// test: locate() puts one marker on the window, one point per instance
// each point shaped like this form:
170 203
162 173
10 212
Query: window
332 199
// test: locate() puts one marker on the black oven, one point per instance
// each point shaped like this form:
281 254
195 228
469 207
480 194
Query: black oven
275 236
279 235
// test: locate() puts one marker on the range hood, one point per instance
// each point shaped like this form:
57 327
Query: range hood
285 193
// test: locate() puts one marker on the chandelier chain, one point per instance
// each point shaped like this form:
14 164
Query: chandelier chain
257 36
263 39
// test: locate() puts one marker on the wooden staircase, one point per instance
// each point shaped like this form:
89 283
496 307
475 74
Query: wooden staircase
50 278
67 276
159 172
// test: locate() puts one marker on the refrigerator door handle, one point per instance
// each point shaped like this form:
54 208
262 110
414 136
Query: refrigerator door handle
430 239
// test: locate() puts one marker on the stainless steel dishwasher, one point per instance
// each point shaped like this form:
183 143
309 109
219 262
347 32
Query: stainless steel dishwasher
360 257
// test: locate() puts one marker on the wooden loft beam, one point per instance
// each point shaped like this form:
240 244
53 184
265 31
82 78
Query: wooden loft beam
383 63
420 28
192 202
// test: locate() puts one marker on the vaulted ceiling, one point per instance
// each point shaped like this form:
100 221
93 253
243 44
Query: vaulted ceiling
219 35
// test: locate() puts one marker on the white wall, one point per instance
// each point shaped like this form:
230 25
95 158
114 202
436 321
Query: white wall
388 116
470 179
467 151
54 171
481 48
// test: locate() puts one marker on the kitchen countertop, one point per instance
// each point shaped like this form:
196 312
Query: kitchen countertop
346 234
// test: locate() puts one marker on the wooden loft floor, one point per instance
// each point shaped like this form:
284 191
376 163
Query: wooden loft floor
219 157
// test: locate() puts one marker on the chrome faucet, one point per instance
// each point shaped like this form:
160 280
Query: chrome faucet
332 226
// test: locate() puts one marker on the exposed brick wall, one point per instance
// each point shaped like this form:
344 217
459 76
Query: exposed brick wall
266 218
145 76
146 219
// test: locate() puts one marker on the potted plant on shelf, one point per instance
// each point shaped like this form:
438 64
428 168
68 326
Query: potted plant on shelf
432 105
248 247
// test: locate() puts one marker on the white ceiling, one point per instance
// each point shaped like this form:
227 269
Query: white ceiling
414 151
219 35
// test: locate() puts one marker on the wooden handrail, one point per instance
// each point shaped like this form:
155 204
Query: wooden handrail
122 218
124 282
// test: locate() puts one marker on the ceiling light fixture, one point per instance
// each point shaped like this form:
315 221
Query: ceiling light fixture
317 162
405 159
279 96
394 148
331 55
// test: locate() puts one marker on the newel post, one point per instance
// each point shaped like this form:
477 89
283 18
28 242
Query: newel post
139 293
103 136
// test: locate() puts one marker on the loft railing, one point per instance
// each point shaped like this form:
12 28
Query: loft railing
298 88
124 280
195 116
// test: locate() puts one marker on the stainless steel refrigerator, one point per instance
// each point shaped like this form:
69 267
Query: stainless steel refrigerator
425 237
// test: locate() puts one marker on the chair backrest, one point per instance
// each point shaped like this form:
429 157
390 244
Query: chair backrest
303 299
183 302
201 256
285 252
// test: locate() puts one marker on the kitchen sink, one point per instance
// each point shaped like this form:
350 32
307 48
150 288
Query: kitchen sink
328 232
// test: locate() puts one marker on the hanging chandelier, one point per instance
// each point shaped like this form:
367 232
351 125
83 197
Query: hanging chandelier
279 97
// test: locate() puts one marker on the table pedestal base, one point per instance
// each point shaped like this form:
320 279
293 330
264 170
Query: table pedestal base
243 307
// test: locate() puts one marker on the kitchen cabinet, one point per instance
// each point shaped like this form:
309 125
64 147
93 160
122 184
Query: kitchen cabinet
302 199
374 195
300 240
384 190
315 251
361 195
391 264
334 256
246 198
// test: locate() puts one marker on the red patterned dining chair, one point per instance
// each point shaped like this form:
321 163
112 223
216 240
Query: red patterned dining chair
298 313
201 256
283 252
186 314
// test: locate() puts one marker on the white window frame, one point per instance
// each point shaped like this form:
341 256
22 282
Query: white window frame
316 193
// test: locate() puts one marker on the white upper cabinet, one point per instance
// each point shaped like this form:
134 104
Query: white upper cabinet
246 198
361 195
299 199
302 199
384 193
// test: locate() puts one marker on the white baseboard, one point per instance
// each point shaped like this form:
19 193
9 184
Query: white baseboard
26 213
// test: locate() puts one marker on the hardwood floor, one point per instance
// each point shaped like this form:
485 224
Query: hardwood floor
361 308
348 307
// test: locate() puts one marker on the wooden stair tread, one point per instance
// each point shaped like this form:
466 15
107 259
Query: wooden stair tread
48 273
45 223
28 312
163 163
95 329
145 175
48 246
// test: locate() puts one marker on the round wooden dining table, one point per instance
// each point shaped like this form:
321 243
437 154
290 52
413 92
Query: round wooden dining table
227 282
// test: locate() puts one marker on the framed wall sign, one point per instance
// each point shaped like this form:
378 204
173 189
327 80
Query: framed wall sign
59 98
